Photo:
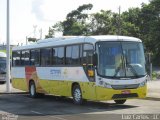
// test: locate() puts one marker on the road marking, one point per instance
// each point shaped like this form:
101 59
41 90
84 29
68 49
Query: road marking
39 113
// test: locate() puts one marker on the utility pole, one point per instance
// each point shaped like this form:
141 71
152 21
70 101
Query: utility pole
119 20
40 32
8 85
34 27
26 40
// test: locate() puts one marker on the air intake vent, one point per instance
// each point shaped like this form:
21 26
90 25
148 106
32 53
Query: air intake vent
119 87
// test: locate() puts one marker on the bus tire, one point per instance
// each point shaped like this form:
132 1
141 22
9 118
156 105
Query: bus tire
77 95
32 90
119 101
2 82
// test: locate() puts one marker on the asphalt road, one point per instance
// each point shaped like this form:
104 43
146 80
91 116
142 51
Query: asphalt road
19 106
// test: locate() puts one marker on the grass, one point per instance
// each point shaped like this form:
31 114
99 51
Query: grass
3 51
6 51
155 75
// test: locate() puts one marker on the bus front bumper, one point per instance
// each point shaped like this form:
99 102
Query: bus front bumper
111 94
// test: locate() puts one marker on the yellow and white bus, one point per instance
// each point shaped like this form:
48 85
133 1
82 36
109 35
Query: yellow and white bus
85 68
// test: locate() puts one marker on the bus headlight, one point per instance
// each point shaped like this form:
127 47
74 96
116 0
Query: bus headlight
142 84
106 85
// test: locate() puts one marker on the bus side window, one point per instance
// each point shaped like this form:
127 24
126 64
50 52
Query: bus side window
55 56
16 58
46 56
60 56
25 58
88 51
72 55
35 57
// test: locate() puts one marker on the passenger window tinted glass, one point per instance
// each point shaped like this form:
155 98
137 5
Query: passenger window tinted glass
68 55
55 55
87 56
16 58
75 55
72 55
25 58
46 56
60 56
22 58
35 57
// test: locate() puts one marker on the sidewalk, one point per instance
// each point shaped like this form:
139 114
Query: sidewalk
153 89
13 90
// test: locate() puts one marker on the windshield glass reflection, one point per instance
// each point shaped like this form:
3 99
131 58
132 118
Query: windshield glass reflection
121 59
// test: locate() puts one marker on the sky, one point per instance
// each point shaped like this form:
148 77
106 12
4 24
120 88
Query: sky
30 16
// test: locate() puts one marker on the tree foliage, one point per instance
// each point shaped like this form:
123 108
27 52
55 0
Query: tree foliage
75 23
50 32
143 23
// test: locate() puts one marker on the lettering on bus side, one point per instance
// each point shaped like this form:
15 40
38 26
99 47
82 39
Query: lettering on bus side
55 72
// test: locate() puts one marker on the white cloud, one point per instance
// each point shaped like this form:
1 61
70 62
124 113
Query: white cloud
37 10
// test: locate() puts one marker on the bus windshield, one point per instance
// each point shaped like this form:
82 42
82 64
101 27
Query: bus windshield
121 59
2 65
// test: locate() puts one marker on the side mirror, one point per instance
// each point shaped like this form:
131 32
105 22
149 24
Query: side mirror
95 59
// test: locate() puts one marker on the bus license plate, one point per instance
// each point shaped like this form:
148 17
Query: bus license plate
126 92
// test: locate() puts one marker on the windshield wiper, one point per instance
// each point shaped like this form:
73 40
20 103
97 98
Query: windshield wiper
132 68
120 67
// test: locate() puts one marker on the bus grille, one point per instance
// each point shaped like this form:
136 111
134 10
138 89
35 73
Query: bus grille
117 96
119 87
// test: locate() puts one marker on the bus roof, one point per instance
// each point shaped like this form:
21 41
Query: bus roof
2 54
69 40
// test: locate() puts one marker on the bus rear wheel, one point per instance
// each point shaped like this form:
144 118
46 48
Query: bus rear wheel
77 95
32 90
119 101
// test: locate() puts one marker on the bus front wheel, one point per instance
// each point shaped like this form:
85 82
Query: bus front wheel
119 101
32 90
77 95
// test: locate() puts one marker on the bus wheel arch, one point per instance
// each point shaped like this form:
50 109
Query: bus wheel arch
32 89
77 94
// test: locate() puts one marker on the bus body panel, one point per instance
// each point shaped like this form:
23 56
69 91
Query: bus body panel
63 87
20 83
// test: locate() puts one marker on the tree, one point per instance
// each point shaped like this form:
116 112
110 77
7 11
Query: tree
150 17
101 23
75 23
50 33
130 22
